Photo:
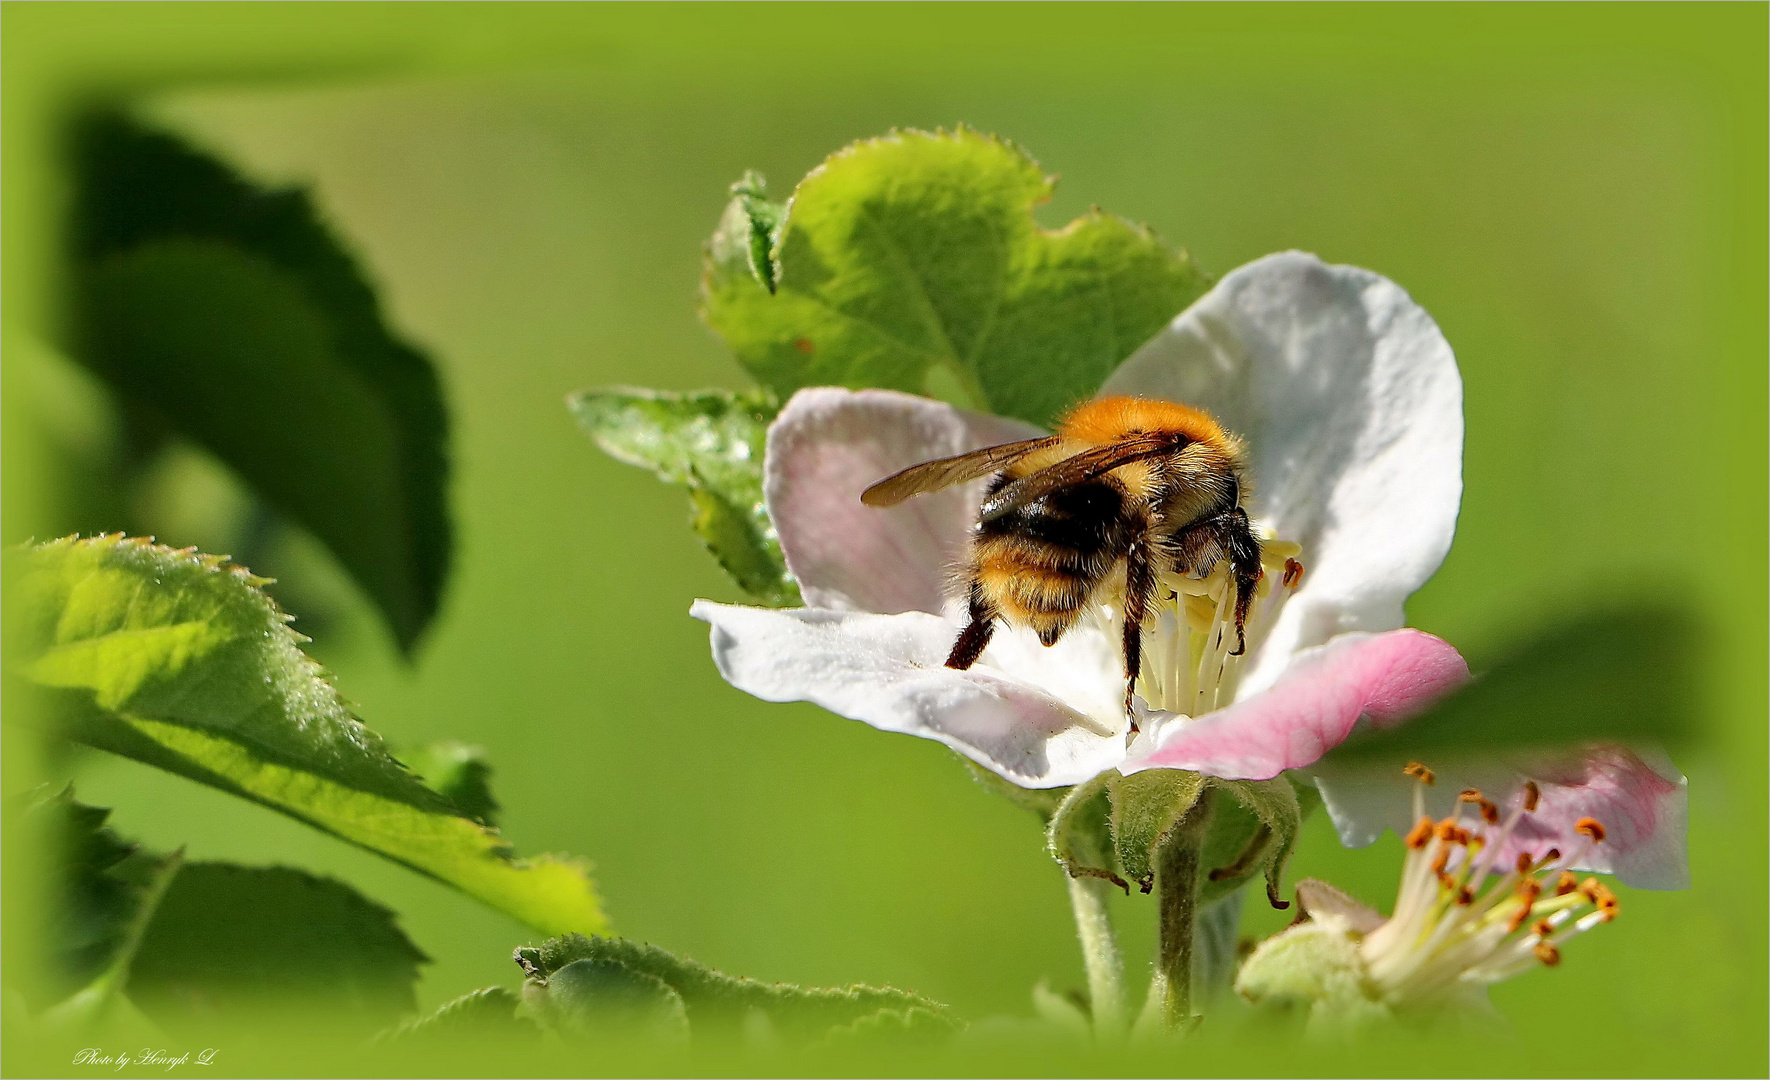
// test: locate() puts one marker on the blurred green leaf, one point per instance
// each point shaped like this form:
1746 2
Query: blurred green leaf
716 1000
710 442
916 256
235 315
604 998
489 1012
231 941
459 773
180 661
106 891
1619 675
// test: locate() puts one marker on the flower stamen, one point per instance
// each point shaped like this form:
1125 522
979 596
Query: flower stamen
1462 916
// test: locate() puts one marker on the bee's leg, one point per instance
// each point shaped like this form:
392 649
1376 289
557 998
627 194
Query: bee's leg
1139 590
1242 548
977 633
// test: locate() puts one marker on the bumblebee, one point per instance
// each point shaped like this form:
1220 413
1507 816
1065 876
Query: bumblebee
1152 486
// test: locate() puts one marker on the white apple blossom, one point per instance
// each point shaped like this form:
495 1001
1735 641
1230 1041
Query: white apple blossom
1350 404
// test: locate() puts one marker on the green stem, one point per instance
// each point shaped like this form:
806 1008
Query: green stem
1177 873
1100 954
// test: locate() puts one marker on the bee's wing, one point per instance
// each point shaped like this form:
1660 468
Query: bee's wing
1077 469
934 475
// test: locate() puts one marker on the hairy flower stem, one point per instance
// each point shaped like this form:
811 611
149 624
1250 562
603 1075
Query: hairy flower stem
1177 874
1100 954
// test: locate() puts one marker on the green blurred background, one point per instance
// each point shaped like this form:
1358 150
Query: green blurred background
1577 194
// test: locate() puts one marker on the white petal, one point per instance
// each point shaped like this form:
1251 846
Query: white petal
888 671
825 448
1352 408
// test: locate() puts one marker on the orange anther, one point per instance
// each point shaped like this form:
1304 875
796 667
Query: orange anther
1421 773
1548 954
1470 795
1421 834
1591 828
1452 833
1465 896
1566 883
1293 573
1441 862
1543 928
1524 863
1489 812
1519 918
1532 794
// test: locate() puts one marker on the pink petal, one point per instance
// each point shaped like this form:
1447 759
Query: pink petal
1311 708
1639 798
825 448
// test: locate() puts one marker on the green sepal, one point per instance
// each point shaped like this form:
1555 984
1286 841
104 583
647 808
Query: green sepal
712 443
715 1001
1308 964
1254 827
913 261
1079 833
181 661
1145 808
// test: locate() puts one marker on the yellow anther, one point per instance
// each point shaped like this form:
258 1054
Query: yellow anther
1548 954
1421 773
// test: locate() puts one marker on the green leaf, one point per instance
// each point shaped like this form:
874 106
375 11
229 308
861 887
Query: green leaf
231 941
710 442
234 314
459 773
915 256
1145 808
106 893
489 1012
604 998
714 999
1618 675
180 661
746 234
